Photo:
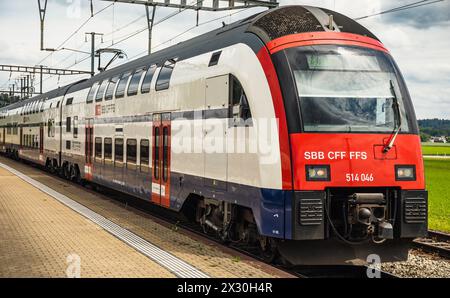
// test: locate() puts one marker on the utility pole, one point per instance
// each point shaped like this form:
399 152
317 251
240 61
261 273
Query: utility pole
27 84
21 88
150 25
40 79
93 34
42 11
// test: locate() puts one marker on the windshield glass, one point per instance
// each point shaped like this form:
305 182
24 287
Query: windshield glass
345 89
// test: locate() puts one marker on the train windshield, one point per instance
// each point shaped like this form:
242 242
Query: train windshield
346 89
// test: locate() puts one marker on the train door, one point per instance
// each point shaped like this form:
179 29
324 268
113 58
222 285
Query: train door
215 128
161 159
88 146
21 140
41 142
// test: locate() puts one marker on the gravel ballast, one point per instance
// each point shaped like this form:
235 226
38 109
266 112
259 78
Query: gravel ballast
419 264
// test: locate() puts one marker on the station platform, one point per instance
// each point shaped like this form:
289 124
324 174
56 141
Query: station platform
43 235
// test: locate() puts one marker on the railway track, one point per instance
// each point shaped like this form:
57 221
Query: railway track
176 221
436 243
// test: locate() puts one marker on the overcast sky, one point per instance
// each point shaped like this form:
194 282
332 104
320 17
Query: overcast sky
418 39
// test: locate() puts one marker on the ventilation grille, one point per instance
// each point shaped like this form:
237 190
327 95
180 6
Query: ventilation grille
289 20
415 210
310 212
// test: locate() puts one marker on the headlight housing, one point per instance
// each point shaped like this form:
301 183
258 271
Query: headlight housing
318 173
405 172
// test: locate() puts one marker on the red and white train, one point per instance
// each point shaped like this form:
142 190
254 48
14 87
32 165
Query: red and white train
291 130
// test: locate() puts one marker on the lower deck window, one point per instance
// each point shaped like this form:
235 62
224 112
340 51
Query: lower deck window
98 147
145 155
108 148
131 151
118 150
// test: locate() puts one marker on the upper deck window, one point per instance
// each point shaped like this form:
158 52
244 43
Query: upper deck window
91 94
110 89
148 79
120 90
134 82
165 74
101 90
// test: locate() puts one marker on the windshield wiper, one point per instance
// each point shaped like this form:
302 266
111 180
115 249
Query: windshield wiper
397 118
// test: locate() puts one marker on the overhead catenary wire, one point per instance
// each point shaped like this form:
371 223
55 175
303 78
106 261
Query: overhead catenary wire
134 33
400 8
76 31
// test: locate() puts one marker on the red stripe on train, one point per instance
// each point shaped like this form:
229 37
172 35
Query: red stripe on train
316 38
277 98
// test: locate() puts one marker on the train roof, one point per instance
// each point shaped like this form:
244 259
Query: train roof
263 27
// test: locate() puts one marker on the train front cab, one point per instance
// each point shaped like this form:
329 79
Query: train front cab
357 168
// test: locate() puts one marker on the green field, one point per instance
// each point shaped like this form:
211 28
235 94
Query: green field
437 175
435 149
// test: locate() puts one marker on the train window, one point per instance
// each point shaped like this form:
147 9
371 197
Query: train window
145 155
75 127
134 82
98 148
148 79
214 59
118 150
101 90
156 154
165 154
131 151
68 124
107 154
91 94
164 75
120 90
239 110
69 101
110 89
51 128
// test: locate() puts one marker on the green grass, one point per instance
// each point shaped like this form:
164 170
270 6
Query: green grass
435 149
435 144
437 174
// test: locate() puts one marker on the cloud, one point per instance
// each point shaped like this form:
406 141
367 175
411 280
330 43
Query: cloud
423 17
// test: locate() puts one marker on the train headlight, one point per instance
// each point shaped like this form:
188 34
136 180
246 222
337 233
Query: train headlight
318 173
405 172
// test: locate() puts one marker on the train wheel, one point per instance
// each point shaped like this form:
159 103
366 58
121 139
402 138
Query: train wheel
268 249
75 174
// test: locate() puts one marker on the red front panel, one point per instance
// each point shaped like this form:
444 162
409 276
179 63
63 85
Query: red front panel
355 160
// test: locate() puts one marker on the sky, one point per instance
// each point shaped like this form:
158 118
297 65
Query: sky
418 38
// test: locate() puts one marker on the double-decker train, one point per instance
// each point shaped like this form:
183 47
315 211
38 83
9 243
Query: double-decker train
291 130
